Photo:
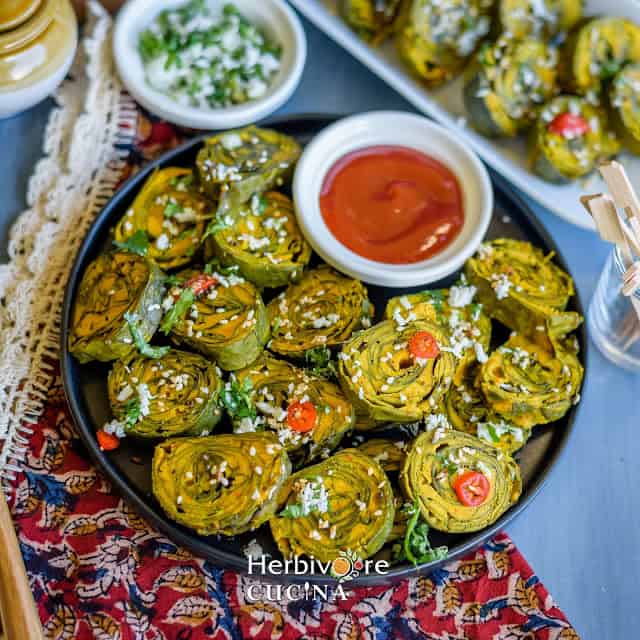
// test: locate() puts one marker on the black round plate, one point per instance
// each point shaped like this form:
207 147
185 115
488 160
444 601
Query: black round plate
129 467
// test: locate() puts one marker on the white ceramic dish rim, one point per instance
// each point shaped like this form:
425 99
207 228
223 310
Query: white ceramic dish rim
275 16
445 106
409 130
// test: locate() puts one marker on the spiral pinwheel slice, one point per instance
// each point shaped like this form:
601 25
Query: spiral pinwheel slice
343 503
174 395
389 378
217 313
115 284
625 105
508 83
540 18
461 483
308 414
468 327
170 215
570 138
467 410
264 240
389 454
597 50
235 165
223 484
529 384
323 309
436 38
372 20
518 285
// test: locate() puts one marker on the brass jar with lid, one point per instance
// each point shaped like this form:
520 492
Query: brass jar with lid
38 39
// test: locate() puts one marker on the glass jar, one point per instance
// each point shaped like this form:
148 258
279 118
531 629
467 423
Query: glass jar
38 39
613 322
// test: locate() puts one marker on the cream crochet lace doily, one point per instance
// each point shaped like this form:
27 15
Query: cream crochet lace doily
69 185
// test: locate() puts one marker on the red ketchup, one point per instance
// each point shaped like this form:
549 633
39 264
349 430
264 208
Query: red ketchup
392 204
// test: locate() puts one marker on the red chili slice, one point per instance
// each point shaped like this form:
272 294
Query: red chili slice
472 488
423 345
201 283
302 416
569 123
107 441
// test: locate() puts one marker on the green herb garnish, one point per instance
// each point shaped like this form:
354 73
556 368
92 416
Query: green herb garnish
319 362
139 340
236 399
137 243
178 310
416 547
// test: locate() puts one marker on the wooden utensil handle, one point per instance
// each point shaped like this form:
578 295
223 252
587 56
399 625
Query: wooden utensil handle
20 619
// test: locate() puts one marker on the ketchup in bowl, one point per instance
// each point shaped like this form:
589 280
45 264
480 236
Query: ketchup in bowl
392 204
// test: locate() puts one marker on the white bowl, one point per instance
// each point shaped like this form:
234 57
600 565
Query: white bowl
273 16
407 130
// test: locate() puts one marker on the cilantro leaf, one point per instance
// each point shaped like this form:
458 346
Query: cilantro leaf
132 412
416 547
215 226
292 511
492 432
171 208
137 243
236 399
138 338
320 363
178 310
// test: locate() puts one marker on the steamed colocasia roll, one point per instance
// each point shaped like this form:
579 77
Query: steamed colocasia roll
508 83
468 327
223 484
323 309
527 383
461 483
217 313
596 51
263 239
118 301
372 20
396 372
539 18
437 37
520 286
624 98
235 165
176 394
167 219
344 503
570 138
308 414
467 410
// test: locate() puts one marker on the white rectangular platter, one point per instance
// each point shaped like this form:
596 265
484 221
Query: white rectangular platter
508 157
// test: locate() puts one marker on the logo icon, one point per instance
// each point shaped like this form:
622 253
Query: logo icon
346 566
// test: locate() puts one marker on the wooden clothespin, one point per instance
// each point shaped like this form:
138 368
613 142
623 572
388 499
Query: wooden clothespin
623 194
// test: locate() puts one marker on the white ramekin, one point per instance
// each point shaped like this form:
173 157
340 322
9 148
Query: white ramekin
407 130
274 16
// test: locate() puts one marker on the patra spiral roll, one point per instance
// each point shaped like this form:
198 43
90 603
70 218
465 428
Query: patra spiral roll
343 503
115 286
263 239
223 317
308 414
386 382
323 309
222 484
437 458
176 394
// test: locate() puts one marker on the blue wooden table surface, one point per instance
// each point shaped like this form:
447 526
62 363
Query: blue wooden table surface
581 533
